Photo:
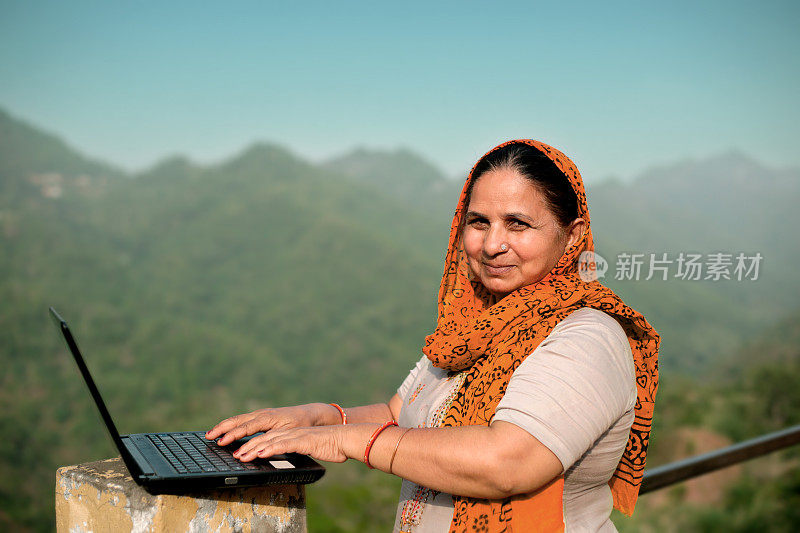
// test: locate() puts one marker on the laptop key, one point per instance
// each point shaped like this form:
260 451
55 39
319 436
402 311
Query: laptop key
190 452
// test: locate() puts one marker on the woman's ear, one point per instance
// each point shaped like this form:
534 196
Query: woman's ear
575 230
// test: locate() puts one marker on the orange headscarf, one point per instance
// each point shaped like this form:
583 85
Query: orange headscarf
490 339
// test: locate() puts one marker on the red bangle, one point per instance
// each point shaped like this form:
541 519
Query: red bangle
341 412
372 440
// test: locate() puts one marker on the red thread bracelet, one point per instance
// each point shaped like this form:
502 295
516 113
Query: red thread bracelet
372 441
341 412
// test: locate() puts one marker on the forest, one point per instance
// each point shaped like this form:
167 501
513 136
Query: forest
198 291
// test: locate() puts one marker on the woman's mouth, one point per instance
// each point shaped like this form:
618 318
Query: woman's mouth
497 270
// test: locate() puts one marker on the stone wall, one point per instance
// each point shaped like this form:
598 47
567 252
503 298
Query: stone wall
102 496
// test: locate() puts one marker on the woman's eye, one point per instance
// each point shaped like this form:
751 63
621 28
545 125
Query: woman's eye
518 224
477 223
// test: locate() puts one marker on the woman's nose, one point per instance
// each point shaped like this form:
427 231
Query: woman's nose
495 242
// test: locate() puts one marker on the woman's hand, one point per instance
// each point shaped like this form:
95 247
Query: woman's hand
322 443
237 427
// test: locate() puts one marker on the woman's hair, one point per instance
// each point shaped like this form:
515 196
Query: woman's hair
535 166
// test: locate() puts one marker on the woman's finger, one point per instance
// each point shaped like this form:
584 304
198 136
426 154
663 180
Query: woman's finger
268 449
270 441
264 419
317 442
249 445
221 427
243 430
256 442
228 424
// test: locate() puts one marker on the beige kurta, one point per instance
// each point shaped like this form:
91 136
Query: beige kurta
575 393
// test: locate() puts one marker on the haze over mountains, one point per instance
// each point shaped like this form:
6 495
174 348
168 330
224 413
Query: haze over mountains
267 210
198 291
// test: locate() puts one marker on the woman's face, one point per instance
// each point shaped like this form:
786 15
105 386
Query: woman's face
506 208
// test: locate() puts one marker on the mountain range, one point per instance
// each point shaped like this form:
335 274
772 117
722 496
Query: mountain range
197 291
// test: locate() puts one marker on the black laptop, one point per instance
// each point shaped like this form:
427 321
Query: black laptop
185 461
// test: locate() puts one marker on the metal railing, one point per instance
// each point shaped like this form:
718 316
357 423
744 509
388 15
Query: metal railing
669 474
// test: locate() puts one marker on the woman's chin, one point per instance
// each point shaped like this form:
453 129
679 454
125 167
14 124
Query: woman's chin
498 289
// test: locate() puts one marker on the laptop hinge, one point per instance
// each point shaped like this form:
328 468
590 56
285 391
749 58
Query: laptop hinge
144 466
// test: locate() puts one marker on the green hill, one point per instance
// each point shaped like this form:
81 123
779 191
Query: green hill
754 392
31 161
723 204
200 291
197 293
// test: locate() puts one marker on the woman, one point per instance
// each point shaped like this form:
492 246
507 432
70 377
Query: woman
532 404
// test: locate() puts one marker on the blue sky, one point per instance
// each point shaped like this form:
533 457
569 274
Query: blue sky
616 86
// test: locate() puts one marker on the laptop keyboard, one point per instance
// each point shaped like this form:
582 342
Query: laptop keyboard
192 453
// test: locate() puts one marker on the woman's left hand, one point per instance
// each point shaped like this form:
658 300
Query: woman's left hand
323 443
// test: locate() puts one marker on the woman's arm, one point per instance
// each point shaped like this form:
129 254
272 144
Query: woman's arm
483 462
378 412
308 415
593 359
312 414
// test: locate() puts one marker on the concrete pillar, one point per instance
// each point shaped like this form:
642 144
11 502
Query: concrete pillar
102 497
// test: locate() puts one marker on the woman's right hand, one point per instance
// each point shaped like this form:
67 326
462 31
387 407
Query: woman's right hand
237 427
